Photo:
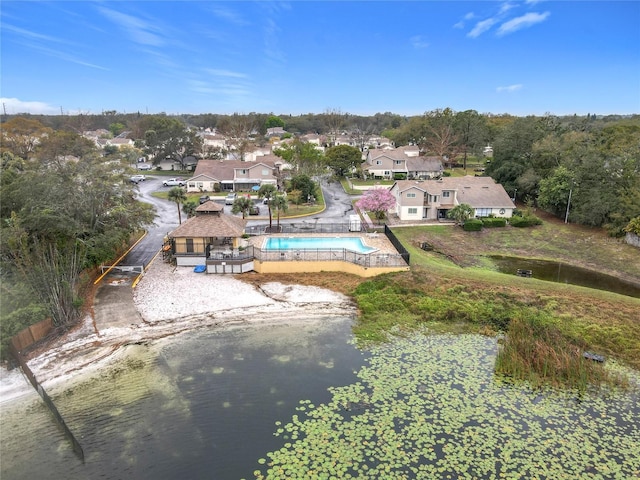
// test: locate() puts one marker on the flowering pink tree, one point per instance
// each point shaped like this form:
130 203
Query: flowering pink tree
378 201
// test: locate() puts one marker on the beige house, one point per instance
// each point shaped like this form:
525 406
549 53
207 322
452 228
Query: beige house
234 175
432 199
209 234
386 163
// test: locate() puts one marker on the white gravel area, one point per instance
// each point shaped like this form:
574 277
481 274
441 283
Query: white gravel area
172 300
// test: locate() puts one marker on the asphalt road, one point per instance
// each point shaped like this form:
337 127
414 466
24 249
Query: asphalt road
338 208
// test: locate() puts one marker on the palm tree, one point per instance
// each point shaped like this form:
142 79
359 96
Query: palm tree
189 208
176 194
242 204
281 204
268 191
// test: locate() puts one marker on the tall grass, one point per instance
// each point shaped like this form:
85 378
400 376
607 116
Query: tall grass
535 349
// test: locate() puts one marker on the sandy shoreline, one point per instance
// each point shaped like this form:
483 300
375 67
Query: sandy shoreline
171 301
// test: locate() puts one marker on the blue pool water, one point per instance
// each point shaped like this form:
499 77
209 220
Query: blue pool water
317 243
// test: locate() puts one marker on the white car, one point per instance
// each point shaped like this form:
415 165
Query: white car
173 182
137 178
230 198
144 166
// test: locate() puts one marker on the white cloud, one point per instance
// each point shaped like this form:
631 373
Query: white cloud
229 15
14 106
29 34
140 31
524 21
225 73
468 16
481 27
505 7
418 41
510 88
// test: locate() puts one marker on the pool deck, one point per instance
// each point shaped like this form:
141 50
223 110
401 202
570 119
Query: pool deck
378 241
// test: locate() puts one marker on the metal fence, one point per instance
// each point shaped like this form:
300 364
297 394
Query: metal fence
77 448
330 255
303 227
397 244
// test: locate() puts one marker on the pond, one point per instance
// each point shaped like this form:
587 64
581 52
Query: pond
563 273
298 402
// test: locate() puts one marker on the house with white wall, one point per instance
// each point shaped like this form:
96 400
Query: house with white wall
234 175
423 200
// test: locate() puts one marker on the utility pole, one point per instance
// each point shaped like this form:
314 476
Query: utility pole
566 215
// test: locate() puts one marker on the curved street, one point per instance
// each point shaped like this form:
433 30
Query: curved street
337 210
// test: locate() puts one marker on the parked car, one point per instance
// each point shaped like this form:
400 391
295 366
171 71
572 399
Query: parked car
137 178
173 182
230 198
144 166
254 210
204 198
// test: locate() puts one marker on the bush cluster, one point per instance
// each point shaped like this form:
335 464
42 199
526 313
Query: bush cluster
525 221
472 225
493 222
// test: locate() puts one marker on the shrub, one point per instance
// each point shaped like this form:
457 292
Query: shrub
399 176
493 222
472 225
526 221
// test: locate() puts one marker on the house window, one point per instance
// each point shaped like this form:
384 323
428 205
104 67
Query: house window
398 162
483 212
446 194
411 195
378 162
189 242
265 172
243 172
387 173
412 211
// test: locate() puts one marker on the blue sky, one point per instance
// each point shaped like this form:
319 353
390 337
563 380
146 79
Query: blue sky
296 57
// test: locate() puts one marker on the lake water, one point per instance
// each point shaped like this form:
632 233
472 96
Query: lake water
202 405
563 273
289 402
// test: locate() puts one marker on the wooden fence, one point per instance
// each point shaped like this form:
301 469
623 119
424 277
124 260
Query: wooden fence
30 335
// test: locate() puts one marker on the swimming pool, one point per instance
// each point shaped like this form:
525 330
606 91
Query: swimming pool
317 243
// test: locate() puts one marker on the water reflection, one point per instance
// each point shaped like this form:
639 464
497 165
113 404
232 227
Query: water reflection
199 406
563 273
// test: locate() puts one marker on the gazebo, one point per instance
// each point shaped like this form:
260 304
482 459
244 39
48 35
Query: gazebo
210 234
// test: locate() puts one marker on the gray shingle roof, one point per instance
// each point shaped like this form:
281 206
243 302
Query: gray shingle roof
479 192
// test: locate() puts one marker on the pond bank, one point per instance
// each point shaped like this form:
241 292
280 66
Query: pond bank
166 302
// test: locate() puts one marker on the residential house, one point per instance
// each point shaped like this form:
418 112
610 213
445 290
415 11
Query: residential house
387 163
376 141
316 140
384 163
214 141
421 200
421 168
234 175
276 132
209 234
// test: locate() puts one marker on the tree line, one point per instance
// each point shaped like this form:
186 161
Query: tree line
64 209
